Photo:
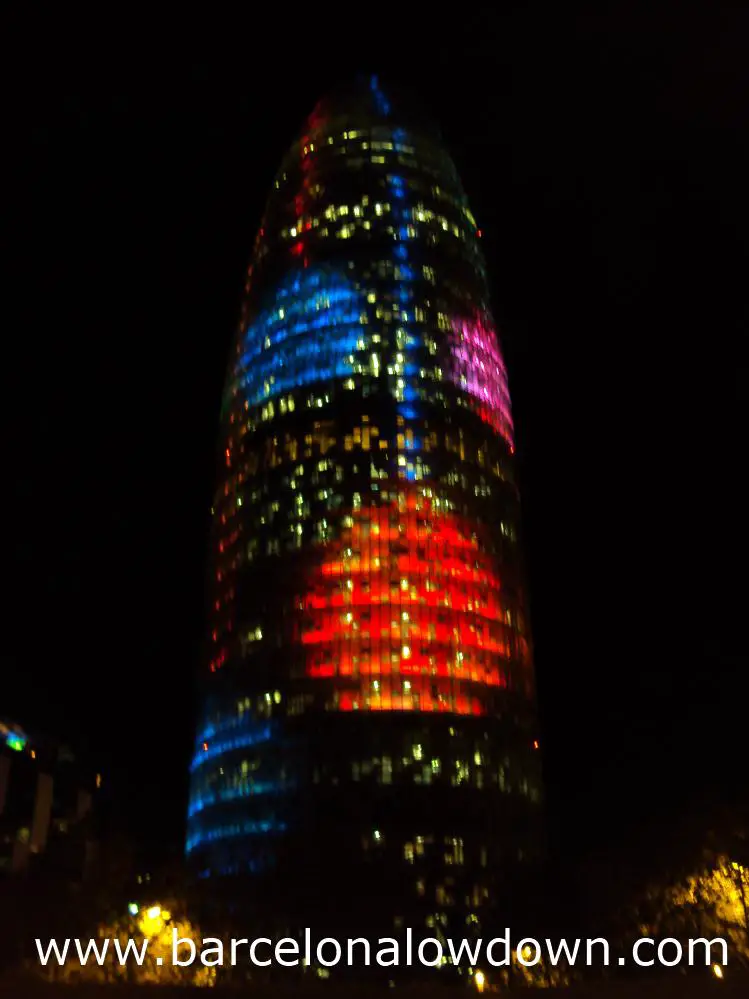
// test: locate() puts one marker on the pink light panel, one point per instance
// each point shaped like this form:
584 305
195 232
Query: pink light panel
478 368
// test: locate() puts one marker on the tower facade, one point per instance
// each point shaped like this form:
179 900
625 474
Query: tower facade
367 725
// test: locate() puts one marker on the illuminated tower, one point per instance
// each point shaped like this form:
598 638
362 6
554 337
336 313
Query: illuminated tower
367 708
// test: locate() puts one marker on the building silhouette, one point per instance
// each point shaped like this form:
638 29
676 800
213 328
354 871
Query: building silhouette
367 748
47 799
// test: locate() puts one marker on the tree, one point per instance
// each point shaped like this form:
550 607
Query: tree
711 902
541 975
147 931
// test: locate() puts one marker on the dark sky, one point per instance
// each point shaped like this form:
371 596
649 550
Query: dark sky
606 158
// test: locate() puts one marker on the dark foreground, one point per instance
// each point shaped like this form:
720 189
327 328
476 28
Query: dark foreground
733 986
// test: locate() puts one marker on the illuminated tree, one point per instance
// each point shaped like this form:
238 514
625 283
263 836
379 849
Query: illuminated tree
148 930
712 902
541 975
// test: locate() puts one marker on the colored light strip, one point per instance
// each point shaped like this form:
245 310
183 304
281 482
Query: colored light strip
234 830
211 750
200 802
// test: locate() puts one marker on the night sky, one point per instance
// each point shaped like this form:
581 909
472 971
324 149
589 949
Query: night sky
606 161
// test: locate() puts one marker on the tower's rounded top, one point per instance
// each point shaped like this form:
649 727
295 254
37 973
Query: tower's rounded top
367 99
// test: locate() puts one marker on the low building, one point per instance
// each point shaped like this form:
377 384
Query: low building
46 804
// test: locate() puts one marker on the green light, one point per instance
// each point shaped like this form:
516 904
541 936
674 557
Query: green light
15 742
132 908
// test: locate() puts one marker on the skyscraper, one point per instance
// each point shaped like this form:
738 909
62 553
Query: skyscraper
367 722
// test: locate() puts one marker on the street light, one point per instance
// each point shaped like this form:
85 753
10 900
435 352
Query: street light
153 920
480 980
